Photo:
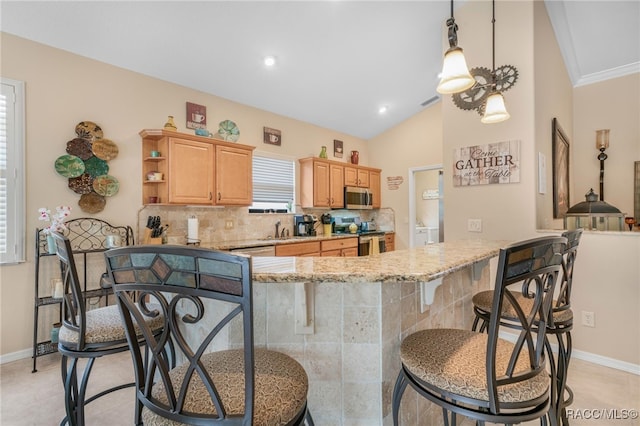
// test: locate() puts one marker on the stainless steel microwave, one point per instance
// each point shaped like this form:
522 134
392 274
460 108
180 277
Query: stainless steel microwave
357 198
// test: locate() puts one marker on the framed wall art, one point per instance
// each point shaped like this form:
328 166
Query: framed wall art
560 147
272 136
338 148
196 116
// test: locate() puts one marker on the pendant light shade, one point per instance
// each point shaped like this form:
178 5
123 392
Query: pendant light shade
495 110
455 76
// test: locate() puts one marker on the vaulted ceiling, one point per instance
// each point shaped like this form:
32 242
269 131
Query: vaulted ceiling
338 62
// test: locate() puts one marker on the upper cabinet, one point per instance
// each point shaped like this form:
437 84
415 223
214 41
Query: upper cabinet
356 176
194 170
322 182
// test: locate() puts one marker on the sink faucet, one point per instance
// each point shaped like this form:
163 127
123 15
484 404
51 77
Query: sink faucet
277 229
282 234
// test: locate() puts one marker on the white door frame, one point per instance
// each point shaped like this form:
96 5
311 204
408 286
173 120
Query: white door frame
412 200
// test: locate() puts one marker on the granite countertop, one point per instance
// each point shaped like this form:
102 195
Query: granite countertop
418 264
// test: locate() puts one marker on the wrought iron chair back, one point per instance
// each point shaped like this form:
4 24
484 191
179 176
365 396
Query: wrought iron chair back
188 285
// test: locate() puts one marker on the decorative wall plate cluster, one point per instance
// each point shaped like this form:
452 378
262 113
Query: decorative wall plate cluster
85 166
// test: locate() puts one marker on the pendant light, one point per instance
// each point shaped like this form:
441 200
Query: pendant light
494 109
455 76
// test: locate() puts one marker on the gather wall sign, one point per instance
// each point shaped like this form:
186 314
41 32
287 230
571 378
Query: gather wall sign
494 163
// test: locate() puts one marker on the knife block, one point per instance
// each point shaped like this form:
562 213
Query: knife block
147 239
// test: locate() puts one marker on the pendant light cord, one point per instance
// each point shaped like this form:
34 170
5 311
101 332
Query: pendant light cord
493 41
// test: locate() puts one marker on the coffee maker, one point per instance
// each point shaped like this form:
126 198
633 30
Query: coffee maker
303 225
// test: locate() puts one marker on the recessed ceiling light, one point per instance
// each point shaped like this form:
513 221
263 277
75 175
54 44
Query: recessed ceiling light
383 109
270 61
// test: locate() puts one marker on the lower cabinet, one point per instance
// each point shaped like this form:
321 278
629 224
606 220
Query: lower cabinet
344 247
307 248
390 241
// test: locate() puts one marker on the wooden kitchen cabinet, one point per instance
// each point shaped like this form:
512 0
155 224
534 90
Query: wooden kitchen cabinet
191 171
234 176
390 241
196 170
356 176
307 248
321 183
344 247
375 188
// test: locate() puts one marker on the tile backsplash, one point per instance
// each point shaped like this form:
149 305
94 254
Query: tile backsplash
213 221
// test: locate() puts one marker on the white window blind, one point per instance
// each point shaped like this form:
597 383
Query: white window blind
273 180
12 221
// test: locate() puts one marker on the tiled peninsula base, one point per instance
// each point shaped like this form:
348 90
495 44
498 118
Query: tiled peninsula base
352 354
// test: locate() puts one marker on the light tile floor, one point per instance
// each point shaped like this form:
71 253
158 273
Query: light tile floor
36 399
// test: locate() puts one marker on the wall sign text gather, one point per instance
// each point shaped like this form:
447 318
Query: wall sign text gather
487 164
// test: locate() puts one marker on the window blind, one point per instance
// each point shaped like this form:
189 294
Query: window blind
273 180
12 220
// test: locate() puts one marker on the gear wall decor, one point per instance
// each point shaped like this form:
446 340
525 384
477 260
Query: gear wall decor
85 166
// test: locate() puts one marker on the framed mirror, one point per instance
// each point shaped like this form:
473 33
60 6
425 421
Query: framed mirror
560 146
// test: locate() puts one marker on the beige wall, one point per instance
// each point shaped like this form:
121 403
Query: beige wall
63 89
414 143
554 98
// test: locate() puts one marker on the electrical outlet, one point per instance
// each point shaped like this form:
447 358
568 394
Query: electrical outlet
588 319
228 224
474 225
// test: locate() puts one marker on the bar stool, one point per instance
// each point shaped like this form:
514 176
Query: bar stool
86 335
482 376
559 325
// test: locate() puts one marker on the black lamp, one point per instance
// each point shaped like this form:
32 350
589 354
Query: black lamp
602 143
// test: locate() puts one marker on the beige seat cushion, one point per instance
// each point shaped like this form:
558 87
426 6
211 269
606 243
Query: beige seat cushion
105 325
455 361
484 301
280 387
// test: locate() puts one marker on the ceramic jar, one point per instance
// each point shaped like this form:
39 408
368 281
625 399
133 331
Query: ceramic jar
355 157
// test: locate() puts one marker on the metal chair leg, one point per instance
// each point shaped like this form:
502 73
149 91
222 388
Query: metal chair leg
398 391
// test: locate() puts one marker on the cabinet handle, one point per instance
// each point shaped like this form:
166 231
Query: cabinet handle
219 196
210 196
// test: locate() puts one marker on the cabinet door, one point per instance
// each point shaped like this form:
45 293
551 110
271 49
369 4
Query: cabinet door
375 189
321 190
355 176
350 176
191 171
234 176
336 183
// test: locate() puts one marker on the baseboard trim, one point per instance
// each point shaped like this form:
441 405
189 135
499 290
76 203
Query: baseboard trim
589 357
15 356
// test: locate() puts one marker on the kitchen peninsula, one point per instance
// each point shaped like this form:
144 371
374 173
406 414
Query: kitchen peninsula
343 319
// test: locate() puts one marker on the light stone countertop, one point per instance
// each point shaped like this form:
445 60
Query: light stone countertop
418 264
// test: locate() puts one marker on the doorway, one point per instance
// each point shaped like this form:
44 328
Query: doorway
426 205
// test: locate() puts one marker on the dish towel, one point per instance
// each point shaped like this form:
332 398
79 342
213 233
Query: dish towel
374 245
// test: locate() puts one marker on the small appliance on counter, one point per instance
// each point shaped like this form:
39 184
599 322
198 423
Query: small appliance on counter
327 223
303 225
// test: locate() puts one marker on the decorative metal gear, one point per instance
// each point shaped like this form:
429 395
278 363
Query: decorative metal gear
474 97
506 77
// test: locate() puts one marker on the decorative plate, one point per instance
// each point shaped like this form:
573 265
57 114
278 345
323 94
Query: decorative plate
92 203
88 130
106 185
80 148
229 131
96 167
82 184
69 166
105 149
